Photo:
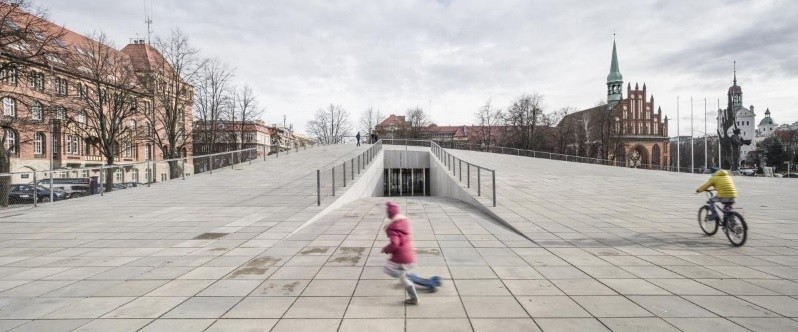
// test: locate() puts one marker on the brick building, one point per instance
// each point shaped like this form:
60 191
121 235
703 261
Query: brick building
627 130
44 102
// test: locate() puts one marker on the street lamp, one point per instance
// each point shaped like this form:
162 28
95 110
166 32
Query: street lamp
52 151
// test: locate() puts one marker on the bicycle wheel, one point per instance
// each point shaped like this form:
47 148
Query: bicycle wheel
708 224
736 229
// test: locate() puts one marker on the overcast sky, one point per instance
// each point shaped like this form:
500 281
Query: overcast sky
451 56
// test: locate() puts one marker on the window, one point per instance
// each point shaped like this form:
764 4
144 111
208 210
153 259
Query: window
11 141
72 145
36 111
132 126
38 143
148 130
9 106
148 152
82 118
147 109
60 113
9 75
36 80
127 149
61 86
83 90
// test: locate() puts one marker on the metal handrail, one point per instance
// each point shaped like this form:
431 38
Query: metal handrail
248 157
559 156
455 165
363 160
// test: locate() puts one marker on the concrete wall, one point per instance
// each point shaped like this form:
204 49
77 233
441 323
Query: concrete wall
446 185
369 184
407 159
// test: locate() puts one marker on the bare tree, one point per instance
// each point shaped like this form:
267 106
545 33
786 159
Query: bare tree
212 102
26 39
565 127
168 123
245 112
488 119
330 124
522 119
109 101
416 123
370 119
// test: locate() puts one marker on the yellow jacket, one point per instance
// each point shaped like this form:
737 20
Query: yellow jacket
723 184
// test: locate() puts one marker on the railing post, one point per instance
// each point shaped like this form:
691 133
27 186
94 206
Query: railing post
210 165
333 180
264 152
318 187
460 161
353 168
232 160
343 174
479 181
494 188
149 179
358 164
36 191
468 175
183 167
102 180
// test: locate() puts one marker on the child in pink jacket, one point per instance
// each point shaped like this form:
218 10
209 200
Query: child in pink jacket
403 255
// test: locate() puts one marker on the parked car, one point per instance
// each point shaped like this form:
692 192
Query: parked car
747 171
132 184
119 186
791 175
24 193
71 190
73 187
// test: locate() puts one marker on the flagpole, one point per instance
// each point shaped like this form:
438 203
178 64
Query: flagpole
678 139
706 148
720 163
692 146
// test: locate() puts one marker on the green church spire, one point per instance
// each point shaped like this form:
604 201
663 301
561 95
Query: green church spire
614 80
615 73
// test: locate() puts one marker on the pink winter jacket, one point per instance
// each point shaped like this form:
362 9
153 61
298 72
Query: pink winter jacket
401 246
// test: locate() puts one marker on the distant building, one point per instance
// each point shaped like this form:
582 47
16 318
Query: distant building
392 127
766 126
45 101
628 130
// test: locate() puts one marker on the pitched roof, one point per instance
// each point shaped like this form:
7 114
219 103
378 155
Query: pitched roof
392 120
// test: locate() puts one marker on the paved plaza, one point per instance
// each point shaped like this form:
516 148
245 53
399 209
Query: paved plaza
601 248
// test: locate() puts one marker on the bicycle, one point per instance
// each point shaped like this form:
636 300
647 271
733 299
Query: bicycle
732 222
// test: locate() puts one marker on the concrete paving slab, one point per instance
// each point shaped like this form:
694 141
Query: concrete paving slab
592 236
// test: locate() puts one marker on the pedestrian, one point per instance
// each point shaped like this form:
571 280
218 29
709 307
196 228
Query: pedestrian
403 255
357 137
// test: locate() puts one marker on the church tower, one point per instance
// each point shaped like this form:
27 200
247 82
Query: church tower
614 80
735 95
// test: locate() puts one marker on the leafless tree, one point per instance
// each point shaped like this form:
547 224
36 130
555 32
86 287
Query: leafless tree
212 102
26 38
488 119
109 101
370 119
245 111
416 123
522 119
168 123
565 128
330 124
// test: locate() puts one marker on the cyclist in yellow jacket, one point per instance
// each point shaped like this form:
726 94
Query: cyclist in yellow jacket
723 184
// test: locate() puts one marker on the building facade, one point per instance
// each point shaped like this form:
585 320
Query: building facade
45 105
630 131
